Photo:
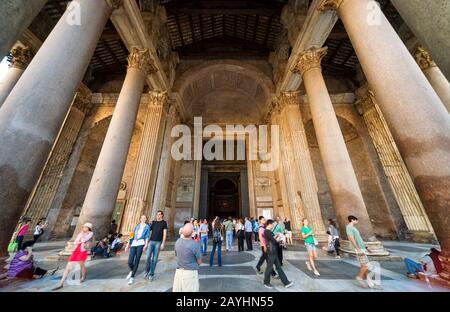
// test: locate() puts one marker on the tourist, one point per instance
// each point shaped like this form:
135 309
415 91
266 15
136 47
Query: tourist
255 226
22 231
138 243
240 233
310 243
278 232
217 241
79 254
229 228
429 264
39 229
196 231
332 228
204 230
101 248
262 243
117 244
355 238
157 240
22 264
188 261
113 227
248 233
272 258
287 226
180 231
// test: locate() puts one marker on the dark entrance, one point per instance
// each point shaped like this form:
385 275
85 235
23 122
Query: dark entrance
224 195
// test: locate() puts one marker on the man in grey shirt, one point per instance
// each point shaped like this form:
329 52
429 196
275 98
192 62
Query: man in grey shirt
189 258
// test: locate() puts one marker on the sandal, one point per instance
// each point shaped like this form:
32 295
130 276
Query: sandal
57 288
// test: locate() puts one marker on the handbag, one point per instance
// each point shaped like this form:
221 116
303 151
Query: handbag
12 247
315 241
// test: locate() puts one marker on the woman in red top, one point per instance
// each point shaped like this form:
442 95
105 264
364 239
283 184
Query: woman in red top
22 231
79 254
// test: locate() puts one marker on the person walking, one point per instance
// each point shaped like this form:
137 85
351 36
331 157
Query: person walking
287 226
272 258
157 241
334 233
229 228
240 233
39 229
355 238
22 231
248 233
217 242
310 243
255 225
137 245
79 254
189 259
204 230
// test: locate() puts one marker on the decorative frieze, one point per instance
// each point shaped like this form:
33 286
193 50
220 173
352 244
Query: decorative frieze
21 57
423 58
309 59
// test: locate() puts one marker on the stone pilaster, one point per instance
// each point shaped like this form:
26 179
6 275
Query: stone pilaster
399 179
434 75
138 200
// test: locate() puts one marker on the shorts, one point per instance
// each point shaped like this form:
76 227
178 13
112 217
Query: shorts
310 247
288 234
363 259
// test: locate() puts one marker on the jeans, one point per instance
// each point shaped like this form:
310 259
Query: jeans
272 259
19 241
229 237
204 246
248 238
256 236
219 252
134 258
152 257
261 262
412 267
99 250
280 253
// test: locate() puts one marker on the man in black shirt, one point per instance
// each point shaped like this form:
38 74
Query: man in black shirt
157 239
272 258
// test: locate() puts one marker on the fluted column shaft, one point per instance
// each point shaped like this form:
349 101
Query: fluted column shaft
21 59
413 111
345 192
33 113
101 196
140 186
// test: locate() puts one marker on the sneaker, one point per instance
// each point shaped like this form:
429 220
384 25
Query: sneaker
289 285
151 278
268 286
129 275
338 257
317 273
131 281
308 265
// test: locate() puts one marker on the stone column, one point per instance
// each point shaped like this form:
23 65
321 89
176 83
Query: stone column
434 75
418 120
345 192
197 180
308 188
101 196
430 23
203 211
140 186
15 17
251 179
399 179
21 57
33 113
244 194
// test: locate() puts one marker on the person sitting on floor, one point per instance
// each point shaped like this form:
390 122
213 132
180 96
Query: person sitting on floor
22 265
102 248
117 244
428 264
330 244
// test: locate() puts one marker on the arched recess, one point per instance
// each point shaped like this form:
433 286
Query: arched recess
366 175
224 91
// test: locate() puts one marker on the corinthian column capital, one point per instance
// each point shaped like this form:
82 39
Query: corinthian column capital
423 58
309 59
289 98
366 102
330 5
21 57
142 60
158 98
114 4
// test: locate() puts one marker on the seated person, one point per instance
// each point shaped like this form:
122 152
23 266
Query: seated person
102 248
428 264
330 245
117 244
22 265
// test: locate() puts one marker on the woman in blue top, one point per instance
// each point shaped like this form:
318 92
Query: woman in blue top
138 244
308 236
217 242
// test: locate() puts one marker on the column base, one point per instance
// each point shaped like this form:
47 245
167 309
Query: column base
321 237
421 237
65 254
376 250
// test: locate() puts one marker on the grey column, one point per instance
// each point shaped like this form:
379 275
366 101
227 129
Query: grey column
21 57
101 196
244 194
15 17
203 209
430 22
34 111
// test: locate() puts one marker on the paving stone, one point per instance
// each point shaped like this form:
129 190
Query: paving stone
230 284
227 270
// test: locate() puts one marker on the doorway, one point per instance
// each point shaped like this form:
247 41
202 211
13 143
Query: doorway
224 195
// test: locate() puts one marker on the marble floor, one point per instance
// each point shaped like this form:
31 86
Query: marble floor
237 273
